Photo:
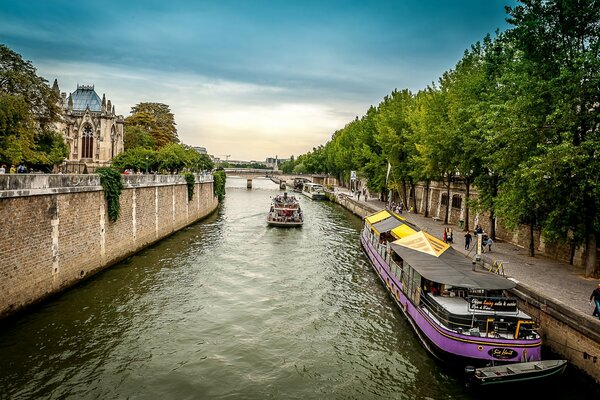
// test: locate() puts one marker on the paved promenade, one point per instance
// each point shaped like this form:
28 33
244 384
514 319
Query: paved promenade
554 279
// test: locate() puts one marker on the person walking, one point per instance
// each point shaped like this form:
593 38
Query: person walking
468 238
445 235
596 298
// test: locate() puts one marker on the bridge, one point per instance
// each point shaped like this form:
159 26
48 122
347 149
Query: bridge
250 173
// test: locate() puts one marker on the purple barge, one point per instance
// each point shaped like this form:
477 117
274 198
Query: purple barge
460 315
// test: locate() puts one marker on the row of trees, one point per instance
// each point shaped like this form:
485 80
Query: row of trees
28 109
518 117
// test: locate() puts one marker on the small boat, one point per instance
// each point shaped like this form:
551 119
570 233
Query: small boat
314 191
285 212
515 373
282 185
460 315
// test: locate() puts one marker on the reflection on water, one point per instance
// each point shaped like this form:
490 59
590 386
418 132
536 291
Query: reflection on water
227 308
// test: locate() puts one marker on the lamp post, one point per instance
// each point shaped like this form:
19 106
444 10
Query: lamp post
146 165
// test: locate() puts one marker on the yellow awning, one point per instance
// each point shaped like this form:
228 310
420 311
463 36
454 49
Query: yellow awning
402 231
424 243
381 215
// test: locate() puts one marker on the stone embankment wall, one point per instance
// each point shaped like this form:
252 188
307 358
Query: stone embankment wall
566 331
55 230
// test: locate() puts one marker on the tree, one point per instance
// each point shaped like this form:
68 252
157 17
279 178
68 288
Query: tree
559 40
28 107
137 136
157 120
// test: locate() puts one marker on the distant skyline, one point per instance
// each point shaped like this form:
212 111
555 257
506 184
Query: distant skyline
252 79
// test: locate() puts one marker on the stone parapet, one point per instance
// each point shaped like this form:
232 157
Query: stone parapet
18 185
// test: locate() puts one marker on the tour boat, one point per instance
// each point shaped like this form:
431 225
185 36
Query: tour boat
515 373
314 191
459 314
285 212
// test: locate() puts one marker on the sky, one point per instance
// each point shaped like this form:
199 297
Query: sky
248 79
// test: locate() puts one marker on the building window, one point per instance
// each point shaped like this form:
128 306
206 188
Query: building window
87 142
456 201
444 199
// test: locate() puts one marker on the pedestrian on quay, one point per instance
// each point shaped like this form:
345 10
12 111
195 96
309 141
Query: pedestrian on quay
445 235
450 236
468 238
3 169
596 298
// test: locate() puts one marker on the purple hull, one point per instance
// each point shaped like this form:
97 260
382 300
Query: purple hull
443 342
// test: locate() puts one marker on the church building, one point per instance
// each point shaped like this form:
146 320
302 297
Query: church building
92 130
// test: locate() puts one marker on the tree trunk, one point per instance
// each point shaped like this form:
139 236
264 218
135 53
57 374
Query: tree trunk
413 190
531 239
590 254
447 200
427 199
405 197
492 212
467 194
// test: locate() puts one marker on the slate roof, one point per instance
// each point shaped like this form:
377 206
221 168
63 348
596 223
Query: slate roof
86 96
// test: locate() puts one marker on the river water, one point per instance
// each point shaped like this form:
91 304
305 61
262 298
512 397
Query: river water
229 309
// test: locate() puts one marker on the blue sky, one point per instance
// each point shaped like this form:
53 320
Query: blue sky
254 78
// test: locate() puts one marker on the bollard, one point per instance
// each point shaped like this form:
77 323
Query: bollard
249 183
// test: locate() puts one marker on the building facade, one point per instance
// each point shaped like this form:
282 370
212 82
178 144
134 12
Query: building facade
91 128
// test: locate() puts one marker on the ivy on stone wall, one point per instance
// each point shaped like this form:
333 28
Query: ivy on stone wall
112 184
219 178
191 183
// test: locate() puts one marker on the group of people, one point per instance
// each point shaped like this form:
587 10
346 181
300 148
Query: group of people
397 208
448 236
486 241
21 169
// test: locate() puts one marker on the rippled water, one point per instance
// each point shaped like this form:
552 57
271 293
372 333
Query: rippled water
227 308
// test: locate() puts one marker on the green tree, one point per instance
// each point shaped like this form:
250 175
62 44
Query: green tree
157 119
28 108
137 136
559 41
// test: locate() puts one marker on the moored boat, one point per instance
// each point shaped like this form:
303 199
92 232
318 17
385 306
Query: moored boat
459 314
516 373
314 191
285 212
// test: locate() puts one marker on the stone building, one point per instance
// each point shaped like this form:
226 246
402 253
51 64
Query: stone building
91 128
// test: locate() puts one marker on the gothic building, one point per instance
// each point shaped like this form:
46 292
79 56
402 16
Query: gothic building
92 130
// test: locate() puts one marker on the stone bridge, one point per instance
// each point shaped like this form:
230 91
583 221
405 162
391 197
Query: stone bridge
275 176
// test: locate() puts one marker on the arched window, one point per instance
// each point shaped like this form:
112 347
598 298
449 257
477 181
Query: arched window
113 142
87 142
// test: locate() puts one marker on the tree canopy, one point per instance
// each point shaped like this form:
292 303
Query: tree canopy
28 109
517 116
150 124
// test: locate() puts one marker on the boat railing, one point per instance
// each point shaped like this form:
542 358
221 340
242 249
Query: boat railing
488 325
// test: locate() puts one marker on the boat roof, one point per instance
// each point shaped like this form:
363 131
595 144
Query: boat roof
445 265
431 257
385 221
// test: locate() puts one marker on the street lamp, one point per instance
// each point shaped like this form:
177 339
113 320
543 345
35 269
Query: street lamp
146 165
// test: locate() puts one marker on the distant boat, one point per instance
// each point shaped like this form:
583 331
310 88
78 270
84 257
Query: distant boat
314 191
515 373
285 212
282 185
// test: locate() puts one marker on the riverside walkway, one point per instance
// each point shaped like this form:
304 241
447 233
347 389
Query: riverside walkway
557 280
